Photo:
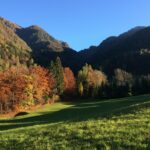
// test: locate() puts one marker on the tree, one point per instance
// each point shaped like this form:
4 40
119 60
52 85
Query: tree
57 71
97 79
82 81
141 85
40 82
91 80
122 77
80 89
5 91
69 82
124 82
22 87
12 85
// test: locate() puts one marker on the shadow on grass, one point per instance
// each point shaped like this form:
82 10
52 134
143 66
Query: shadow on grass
81 112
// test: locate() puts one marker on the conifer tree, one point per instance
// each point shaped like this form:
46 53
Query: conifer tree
57 72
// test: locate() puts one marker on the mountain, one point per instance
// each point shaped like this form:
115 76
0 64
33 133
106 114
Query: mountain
123 52
19 45
131 32
12 48
9 24
129 51
39 39
109 42
46 48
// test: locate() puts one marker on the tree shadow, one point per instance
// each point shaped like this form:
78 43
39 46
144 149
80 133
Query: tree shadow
81 112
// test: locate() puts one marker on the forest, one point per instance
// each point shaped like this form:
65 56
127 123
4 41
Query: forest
23 87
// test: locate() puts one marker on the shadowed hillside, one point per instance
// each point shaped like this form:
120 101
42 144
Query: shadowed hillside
123 52
46 48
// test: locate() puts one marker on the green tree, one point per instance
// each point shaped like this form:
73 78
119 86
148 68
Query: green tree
57 72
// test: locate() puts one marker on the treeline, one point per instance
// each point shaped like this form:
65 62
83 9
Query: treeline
23 87
95 84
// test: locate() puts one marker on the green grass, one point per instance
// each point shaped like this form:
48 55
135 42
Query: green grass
110 124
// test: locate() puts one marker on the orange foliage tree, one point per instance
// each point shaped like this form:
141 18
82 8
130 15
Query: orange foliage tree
43 83
21 87
69 81
12 85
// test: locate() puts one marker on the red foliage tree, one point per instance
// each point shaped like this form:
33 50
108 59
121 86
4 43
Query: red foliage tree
69 81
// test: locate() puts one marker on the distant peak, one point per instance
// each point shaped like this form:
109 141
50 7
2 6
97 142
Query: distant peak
35 27
132 31
9 24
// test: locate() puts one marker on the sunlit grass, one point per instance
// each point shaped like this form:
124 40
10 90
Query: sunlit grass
112 124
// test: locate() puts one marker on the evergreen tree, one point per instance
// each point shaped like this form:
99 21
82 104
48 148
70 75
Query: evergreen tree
57 72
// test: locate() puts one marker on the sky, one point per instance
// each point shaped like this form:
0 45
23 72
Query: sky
80 23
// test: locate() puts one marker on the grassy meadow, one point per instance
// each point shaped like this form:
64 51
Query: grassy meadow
117 124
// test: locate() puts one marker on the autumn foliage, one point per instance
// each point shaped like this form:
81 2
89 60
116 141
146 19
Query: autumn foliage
22 87
69 81
42 82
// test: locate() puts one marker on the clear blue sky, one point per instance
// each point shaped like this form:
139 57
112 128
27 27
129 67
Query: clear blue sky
81 23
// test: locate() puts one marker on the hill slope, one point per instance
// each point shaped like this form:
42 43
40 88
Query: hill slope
39 39
123 52
112 124
12 48
46 48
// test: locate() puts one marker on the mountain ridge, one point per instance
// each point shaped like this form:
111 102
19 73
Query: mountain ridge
108 55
